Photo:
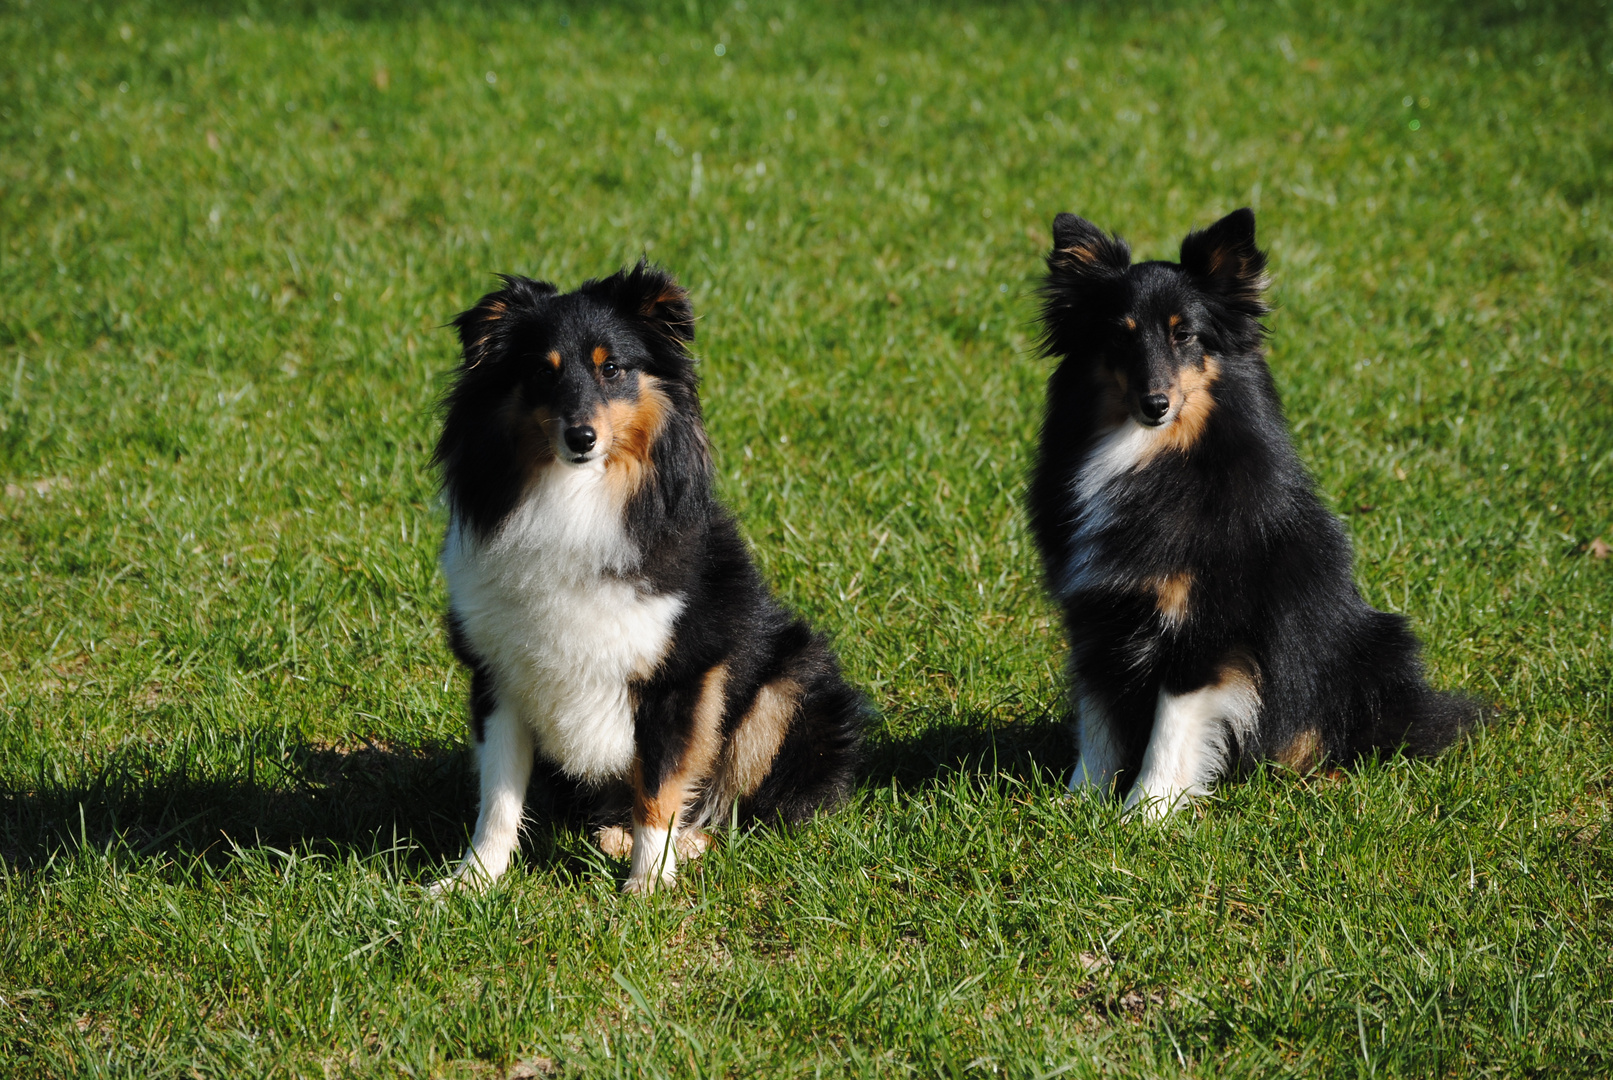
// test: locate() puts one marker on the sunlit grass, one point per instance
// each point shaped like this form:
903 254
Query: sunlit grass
229 727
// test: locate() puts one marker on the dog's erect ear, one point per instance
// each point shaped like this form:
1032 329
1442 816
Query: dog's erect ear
482 328
650 295
1227 263
1082 248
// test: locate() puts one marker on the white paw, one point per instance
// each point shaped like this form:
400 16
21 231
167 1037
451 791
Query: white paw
468 877
1143 806
642 884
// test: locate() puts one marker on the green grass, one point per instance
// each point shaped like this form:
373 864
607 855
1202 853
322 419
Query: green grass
230 732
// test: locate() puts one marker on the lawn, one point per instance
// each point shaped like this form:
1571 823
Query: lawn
232 736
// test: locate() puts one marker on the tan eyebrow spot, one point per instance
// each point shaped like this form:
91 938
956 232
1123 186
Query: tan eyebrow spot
1131 324
601 354
554 358
1176 320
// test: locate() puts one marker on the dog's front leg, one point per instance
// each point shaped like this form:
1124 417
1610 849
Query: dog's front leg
504 765
654 859
1192 743
1099 757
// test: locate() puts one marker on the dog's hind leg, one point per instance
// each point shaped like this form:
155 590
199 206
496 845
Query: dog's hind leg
504 763
1192 743
1101 756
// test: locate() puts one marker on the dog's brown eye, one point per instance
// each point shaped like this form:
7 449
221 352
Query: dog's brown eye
609 370
1181 337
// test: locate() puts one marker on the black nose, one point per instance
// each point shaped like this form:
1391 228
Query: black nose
580 438
1154 406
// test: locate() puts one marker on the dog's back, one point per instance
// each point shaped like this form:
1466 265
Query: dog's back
1207 593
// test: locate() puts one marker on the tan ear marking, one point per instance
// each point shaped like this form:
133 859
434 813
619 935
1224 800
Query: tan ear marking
669 295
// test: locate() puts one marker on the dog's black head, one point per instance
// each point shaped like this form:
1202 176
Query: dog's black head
1159 330
580 379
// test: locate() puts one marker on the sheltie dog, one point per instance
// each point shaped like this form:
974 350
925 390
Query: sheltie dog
604 603
1206 591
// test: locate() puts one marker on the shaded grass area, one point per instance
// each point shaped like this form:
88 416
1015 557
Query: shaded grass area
231 735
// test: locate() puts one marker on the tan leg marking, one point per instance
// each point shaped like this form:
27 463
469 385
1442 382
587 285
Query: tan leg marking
656 835
1173 591
756 741
1303 752
661 809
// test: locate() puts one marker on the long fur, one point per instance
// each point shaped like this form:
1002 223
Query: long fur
1206 591
605 604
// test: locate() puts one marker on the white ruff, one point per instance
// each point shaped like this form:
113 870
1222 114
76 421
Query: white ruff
551 606
1112 456
1115 453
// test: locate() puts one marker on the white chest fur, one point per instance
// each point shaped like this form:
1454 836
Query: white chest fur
551 605
1115 453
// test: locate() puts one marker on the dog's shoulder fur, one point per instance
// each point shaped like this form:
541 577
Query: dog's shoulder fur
603 600
1185 541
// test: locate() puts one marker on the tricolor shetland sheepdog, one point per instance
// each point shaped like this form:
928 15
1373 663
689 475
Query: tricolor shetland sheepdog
604 602
1212 619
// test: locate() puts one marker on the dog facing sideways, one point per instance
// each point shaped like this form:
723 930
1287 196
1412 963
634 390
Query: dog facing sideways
1206 591
604 603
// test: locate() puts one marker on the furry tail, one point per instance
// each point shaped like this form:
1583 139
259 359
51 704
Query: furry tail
1426 722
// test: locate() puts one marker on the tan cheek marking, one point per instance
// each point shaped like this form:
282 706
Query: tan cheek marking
1193 417
601 354
554 359
1303 752
755 743
1173 591
660 809
634 427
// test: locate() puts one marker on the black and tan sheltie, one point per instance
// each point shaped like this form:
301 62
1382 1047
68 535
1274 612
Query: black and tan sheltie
604 602
1206 591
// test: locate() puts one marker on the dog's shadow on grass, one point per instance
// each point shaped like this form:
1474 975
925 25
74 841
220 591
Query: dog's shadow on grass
178 800
1031 748
416 802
